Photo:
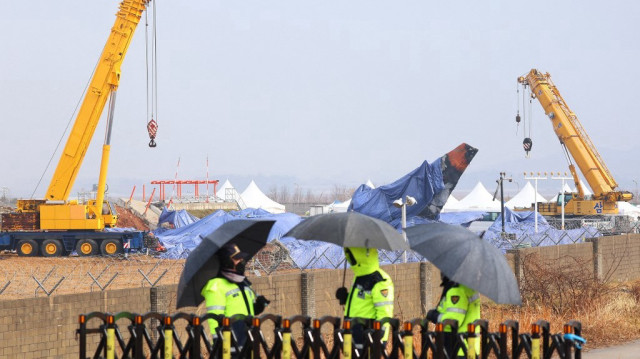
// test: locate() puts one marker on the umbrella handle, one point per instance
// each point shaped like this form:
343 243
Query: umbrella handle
344 280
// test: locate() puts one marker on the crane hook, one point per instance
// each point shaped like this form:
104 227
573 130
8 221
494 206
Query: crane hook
152 128
527 144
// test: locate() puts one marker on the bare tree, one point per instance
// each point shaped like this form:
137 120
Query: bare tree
284 195
273 193
309 197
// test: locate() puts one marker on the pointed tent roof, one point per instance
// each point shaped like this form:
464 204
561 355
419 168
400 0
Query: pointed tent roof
369 184
565 189
585 188
525 197
479 199
254 198
451 204
222 190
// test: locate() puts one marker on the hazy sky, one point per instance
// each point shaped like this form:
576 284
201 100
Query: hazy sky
319 93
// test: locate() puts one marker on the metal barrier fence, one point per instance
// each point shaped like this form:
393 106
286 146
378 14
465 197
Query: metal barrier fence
182 335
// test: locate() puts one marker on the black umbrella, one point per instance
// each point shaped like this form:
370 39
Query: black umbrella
202 264
349 229
467 259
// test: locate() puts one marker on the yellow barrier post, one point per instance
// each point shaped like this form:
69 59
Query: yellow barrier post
347 345
535 341
286 339
226 338
471 341
168 338
408 340
111 338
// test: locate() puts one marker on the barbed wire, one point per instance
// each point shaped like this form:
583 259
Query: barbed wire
70 275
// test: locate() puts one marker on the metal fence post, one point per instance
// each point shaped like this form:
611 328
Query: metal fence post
138 350
82 331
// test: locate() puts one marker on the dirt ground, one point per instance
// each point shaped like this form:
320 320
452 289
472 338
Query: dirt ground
127 219
19 276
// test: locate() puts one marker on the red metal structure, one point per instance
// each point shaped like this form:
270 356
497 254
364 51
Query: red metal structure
179 184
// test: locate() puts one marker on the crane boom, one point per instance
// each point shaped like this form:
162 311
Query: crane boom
55 211
104 82
577 143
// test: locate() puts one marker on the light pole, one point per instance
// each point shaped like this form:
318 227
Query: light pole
399 203
563 178
535 195
501 187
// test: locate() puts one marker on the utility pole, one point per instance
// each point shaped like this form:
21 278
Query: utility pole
501 187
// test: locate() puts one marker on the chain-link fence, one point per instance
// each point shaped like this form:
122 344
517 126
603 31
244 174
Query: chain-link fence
557 231
24 277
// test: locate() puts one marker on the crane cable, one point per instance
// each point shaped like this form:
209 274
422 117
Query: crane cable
518 106
64 132
527 144
152 94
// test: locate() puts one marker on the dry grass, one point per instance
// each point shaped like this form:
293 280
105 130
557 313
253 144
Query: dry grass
563 290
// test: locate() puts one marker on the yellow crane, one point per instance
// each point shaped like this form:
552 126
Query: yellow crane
55 224
577 145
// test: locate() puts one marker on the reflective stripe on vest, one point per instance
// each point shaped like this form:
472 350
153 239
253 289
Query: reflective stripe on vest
380 304
474 297
216 307
457 310
232 292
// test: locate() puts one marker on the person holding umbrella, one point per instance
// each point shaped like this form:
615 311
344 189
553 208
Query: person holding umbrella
371 295
230 293
457 302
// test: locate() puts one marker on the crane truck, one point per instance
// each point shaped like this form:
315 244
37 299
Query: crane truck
577 145
55 225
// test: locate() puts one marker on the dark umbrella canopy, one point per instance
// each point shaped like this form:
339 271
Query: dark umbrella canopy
467 259
349 229
202 264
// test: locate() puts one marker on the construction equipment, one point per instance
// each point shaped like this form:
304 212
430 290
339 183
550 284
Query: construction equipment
577 145
56 224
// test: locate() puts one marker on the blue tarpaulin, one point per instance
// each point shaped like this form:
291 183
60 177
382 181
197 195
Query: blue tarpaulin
522 224
179 242
422 184
177 219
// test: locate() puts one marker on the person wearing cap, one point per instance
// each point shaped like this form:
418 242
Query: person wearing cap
457 302
371 295
230 293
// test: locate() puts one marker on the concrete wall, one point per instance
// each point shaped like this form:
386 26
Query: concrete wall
45 327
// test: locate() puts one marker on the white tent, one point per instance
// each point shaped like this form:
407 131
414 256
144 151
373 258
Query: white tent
565 189
339 207
628 209
479 199
370 184
451 205
254 198
585 188
227 190
525 198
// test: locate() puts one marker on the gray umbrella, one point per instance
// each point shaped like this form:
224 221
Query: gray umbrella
349 229
202 264
467 259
